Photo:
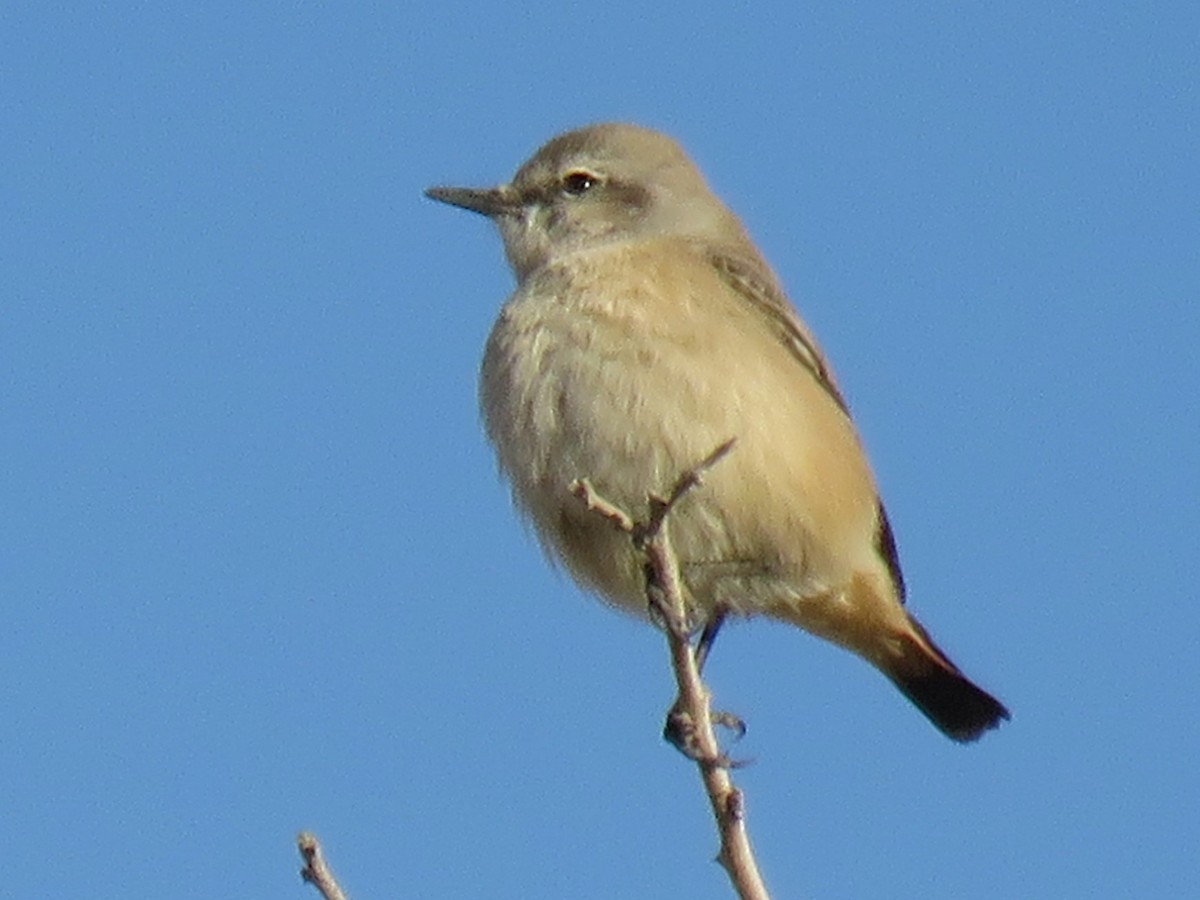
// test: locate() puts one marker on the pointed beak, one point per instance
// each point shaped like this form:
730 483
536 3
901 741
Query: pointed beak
490 202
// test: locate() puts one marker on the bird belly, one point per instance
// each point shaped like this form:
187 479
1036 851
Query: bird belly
630 401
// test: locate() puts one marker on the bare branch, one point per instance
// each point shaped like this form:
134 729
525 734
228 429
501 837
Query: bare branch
316 871
582 488
690 720
692 478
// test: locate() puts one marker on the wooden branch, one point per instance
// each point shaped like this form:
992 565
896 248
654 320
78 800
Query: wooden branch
691 716
316 871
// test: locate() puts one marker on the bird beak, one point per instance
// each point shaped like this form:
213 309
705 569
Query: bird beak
491 202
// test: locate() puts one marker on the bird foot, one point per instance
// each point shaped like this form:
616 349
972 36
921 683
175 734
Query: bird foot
680 731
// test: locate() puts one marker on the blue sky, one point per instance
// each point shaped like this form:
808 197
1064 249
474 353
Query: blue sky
257 570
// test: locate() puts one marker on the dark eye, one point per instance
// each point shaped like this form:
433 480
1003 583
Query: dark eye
579 182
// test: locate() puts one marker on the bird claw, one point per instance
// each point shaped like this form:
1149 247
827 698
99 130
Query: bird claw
680 732
728 720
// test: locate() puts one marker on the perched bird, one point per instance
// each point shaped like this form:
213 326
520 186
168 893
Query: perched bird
645 331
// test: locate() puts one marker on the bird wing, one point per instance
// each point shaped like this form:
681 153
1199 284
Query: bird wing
754 282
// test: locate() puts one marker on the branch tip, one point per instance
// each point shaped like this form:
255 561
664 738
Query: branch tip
316 871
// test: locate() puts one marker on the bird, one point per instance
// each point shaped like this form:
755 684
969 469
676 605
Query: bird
645 330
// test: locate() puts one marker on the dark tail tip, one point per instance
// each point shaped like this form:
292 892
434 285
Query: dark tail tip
960 709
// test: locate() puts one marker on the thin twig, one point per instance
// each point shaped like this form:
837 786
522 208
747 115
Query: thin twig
692 478
691 711
316 871
617 517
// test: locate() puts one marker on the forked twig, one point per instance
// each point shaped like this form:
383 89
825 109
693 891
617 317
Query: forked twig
691 711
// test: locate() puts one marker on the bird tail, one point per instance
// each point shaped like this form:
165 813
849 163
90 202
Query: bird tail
924 674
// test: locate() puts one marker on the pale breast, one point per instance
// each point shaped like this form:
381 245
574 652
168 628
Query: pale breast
629 365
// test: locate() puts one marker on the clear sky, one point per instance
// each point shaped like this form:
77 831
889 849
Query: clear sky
258 573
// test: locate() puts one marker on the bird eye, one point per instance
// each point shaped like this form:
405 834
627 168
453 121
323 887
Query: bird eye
579 182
